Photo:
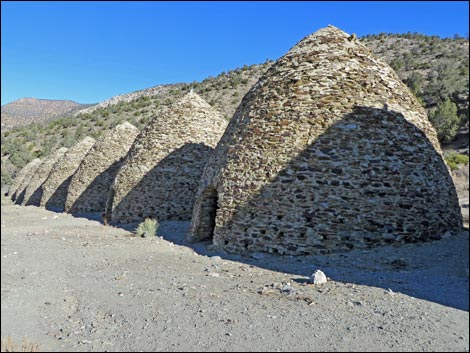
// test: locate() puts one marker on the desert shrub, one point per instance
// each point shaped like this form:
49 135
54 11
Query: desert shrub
396 64
48 145
445 120
5 177
79 132
454 159
20 155
147 228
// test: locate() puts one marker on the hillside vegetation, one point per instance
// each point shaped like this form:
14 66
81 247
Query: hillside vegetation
435 69
25 111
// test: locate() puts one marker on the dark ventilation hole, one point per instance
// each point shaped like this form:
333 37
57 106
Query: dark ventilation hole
208 213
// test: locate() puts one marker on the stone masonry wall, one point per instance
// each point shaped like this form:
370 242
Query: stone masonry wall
15 186
328 151
33 190
24 184
160 175
54 188
90 184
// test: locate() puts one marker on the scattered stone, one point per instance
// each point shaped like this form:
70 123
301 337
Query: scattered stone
318 277
287 289
267 291
354 303
306 299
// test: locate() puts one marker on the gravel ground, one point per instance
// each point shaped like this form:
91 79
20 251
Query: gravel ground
73 284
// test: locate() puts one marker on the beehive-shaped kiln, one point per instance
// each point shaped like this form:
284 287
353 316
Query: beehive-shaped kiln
328 151
89 187
28 169
33 191
54 188
161 173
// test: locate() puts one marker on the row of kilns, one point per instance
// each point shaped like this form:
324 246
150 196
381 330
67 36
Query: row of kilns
328 151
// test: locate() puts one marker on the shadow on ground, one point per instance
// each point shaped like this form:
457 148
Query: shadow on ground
436 271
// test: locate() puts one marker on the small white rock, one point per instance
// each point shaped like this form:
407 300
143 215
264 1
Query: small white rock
318 277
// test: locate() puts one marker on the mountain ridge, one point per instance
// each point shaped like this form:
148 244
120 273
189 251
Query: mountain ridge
433 68
28 110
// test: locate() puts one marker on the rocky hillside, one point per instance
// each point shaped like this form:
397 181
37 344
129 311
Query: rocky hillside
435 69
30 110
224 91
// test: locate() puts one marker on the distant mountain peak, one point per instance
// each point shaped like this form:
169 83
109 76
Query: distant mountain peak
30 109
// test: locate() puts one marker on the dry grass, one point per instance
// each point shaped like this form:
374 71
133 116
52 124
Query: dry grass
9 346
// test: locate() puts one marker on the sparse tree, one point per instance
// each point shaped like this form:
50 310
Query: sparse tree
445 120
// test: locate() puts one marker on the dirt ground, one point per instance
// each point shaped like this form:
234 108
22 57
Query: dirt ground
73 284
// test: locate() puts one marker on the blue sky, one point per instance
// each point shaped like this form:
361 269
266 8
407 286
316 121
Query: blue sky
91 51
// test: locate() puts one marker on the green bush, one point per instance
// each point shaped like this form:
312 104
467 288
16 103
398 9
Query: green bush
396 64
445 120
19 153
147 228
5 177
454 159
